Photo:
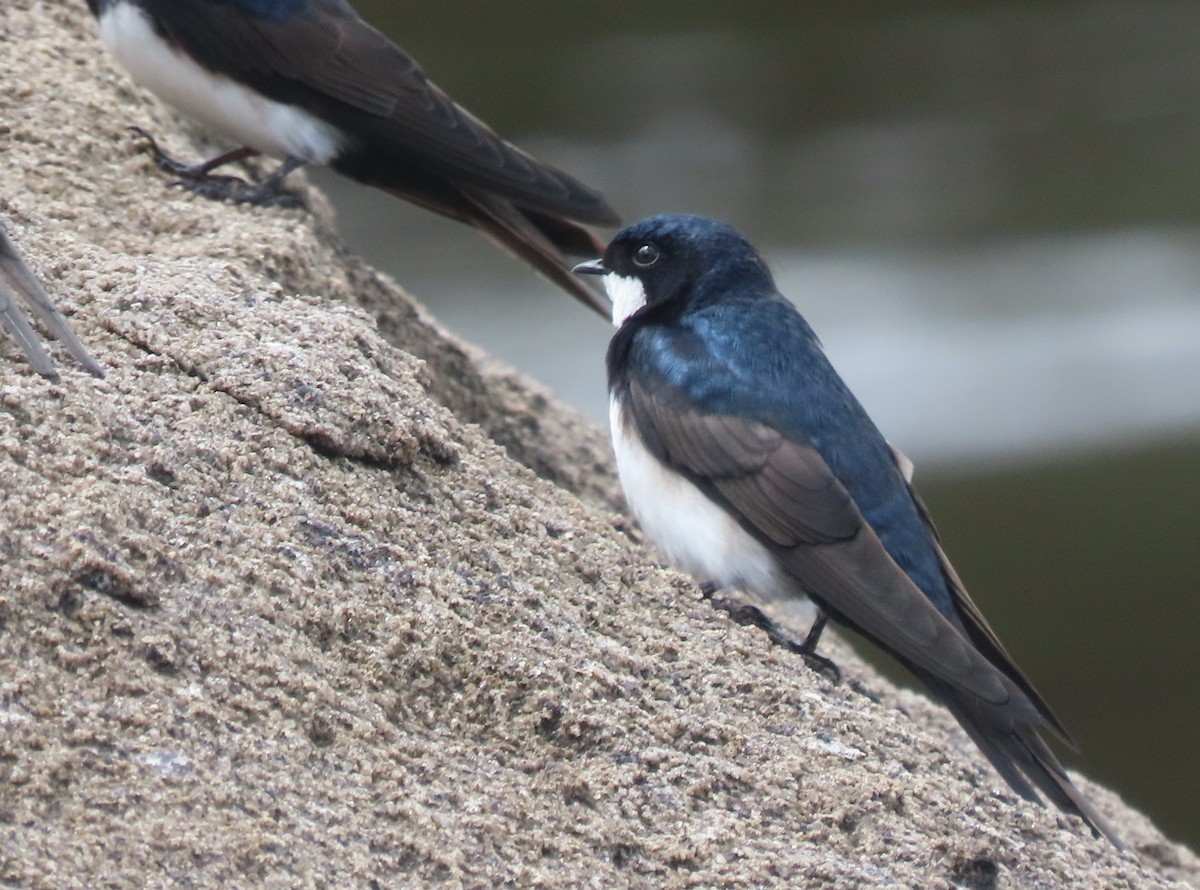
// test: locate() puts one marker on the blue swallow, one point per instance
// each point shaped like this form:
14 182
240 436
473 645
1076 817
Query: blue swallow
309 82
750 464
16 279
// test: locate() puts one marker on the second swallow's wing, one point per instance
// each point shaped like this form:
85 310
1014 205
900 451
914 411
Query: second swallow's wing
328 60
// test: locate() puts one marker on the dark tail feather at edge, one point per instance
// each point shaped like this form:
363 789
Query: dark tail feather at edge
1021 757
543 242
541 239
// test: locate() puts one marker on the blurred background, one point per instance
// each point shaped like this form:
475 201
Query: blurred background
990 211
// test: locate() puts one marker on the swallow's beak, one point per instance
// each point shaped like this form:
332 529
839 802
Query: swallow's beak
591 267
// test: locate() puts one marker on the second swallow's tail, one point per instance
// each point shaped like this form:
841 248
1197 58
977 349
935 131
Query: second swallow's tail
542 240
1019 754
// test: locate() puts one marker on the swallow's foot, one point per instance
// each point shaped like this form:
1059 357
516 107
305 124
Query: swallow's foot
752 616
820 664
808 650
201 172
200 179
230 188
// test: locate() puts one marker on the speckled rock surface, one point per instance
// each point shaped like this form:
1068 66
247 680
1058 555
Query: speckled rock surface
278 609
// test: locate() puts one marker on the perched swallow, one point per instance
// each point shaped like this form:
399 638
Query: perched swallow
750 464
309 82
15 278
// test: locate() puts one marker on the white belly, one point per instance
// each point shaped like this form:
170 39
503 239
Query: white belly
693 533
217 102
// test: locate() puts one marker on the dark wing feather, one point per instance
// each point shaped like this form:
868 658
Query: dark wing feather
781 491
755 470
975 625
15 278
518 233
336 65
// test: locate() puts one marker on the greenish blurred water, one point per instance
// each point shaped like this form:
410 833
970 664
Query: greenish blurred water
990 212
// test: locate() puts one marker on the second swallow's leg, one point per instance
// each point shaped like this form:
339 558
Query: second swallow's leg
751 616
270 192
192 173
200 179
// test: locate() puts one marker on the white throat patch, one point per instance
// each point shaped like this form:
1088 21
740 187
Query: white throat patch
627 296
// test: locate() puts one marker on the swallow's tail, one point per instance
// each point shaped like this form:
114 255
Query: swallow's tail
543 241
1011 742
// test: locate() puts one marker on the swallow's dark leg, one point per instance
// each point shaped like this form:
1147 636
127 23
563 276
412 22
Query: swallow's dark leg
752 616
200 179
808 649
192 173
270 192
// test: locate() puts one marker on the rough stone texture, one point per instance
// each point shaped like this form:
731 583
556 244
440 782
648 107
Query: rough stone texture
276 609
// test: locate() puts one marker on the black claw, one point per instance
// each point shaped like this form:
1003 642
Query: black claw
189 173
752 616
230 188
216 187
200 179
821 665
268 194
862 690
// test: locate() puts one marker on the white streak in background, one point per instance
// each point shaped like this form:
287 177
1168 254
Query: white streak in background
977 392
974 354
982 355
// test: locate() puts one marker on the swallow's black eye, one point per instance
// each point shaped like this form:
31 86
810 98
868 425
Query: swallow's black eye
646 255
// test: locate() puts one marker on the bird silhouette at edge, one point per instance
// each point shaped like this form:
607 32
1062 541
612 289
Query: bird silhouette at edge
310 82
